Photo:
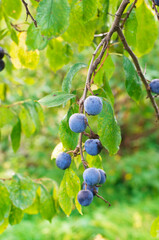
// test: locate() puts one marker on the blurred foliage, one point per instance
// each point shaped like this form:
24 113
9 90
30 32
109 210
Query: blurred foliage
132 184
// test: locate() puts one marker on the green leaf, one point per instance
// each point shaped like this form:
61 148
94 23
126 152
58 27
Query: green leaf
89 8
131 29
73 185
64 200
12 8
108 129
78 206
22 191
28 125
147 31
59 53
30 106
34 208
16 215
68 138
94 161
3 33
7 117
53 17
5 203
39 111
155 227
16 135
108 69
66 85
79 31
47 208
55 99
108 91
4 225
11 30
133 83
34 39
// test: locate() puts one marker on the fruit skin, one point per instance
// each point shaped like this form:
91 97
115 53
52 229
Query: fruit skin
90 188
103 176
93 105
78 122
91 176
1 53
154 86
85 197
63 160
2 65
93 146
157 2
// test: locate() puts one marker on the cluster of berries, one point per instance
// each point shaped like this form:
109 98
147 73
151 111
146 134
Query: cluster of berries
78 122
2 64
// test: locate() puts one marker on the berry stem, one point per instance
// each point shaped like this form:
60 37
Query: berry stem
103 199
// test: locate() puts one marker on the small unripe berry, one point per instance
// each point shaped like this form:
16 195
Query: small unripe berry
63 160
154 86
91 176
93 146
103 176
93 105
85 197
78 122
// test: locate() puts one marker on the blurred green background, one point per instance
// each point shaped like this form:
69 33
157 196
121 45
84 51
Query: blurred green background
132 184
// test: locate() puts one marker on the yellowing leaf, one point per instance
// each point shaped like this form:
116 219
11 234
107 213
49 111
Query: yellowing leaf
4 225
21 58
58 149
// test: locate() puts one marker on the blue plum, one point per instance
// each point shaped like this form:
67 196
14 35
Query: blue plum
93 146
103 176
93 105
78 122
154 86
1 53
85 197
2 65
157 2
93 189
91 176
63 160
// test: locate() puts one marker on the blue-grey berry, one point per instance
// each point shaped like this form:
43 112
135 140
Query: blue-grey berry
78 122
91 176
63 160
103 176
154 86
2 65
93 146
85 197
93 105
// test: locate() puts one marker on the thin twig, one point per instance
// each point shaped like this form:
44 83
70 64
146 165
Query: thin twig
28 13
103 199
17 103
154 7
128 13
16 27
107 54
85 164
138 69
100 34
